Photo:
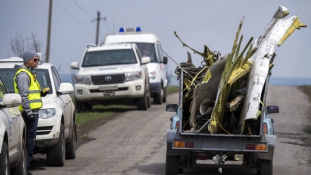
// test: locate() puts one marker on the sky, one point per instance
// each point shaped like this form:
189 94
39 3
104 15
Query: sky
198 22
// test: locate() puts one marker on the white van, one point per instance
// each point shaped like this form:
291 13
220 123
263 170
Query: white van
149 45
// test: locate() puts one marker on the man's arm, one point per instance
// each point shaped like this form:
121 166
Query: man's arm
23 83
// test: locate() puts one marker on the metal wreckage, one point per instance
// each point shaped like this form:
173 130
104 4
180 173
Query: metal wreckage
223 95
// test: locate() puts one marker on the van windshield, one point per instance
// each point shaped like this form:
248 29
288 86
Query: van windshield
109 57
147 50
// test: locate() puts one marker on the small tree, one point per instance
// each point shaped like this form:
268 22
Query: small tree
20 44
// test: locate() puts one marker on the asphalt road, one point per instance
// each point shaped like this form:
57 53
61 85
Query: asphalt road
134 143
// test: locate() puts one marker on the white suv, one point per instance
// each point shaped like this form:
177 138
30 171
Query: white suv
56 133
12 133
146 41
110 72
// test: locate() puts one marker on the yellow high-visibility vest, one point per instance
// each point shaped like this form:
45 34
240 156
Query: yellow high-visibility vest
34 95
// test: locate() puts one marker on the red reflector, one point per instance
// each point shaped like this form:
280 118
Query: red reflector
177 125
265 129
202 157
189 144
250 147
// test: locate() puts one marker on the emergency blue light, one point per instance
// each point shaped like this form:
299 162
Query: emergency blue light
121 29
138 29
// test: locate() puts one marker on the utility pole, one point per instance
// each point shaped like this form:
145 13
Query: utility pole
97 27
49 34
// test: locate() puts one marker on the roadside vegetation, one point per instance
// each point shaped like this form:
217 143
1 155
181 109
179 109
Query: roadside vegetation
103 111
306 90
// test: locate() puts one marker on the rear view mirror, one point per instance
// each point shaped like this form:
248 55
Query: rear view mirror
273 109
165 60
171 107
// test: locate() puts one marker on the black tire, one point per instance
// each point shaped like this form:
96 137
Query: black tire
56 155
79 106
266 167
149 99
21 169
158 98
164 95
71 145
171 166
4 160
142 103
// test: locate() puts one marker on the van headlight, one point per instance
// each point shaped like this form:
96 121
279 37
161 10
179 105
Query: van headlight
130 76
153 74
83 79
47 113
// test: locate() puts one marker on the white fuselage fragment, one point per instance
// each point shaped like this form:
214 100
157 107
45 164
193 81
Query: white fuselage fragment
261 60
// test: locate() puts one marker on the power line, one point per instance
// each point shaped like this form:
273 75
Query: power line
69 13
82 9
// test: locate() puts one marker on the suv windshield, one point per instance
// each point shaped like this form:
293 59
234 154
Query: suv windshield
109 57
147 50
42 76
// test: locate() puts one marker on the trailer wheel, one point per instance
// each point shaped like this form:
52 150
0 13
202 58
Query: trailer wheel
171 166
266 167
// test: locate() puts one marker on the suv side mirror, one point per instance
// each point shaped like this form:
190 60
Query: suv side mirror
145 60
74 65
171 107
165 60
273 109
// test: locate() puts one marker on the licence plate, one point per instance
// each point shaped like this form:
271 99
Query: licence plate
105 88
109 93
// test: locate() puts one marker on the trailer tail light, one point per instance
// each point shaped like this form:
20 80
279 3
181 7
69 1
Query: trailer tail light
182 144
177 125
265 129
255 146
202 157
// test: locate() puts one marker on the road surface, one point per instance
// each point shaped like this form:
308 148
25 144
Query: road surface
134 142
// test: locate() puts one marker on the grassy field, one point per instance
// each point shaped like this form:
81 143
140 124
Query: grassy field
103 111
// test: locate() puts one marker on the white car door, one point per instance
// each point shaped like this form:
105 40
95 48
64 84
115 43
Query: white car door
13 119
64 101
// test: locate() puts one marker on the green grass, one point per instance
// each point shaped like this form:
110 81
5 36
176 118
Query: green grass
101 112
172 89
104 111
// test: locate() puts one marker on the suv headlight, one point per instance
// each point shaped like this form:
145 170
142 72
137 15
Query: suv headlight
83 79
130 76
47 113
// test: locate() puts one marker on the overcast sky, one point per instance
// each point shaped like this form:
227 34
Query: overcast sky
198 23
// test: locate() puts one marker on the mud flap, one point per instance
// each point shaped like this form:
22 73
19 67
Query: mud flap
271 144
169 143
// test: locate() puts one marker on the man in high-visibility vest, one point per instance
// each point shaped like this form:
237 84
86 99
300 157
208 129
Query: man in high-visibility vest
26 84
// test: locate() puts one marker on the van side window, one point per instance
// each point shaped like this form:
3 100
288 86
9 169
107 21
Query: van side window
148 49
159 52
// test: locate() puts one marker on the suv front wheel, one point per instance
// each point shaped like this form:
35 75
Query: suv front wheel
56 155
143 102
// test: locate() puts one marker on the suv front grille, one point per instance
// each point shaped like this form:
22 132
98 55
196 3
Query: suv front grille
108 79
44 130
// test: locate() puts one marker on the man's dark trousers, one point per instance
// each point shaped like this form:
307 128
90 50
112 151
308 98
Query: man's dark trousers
31 129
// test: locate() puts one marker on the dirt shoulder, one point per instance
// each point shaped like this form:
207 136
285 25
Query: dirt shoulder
84 129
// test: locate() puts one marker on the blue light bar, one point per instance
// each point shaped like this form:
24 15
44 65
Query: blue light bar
121 29
138 29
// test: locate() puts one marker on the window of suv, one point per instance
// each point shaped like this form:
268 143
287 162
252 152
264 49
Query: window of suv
9 73
109 57
3 90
